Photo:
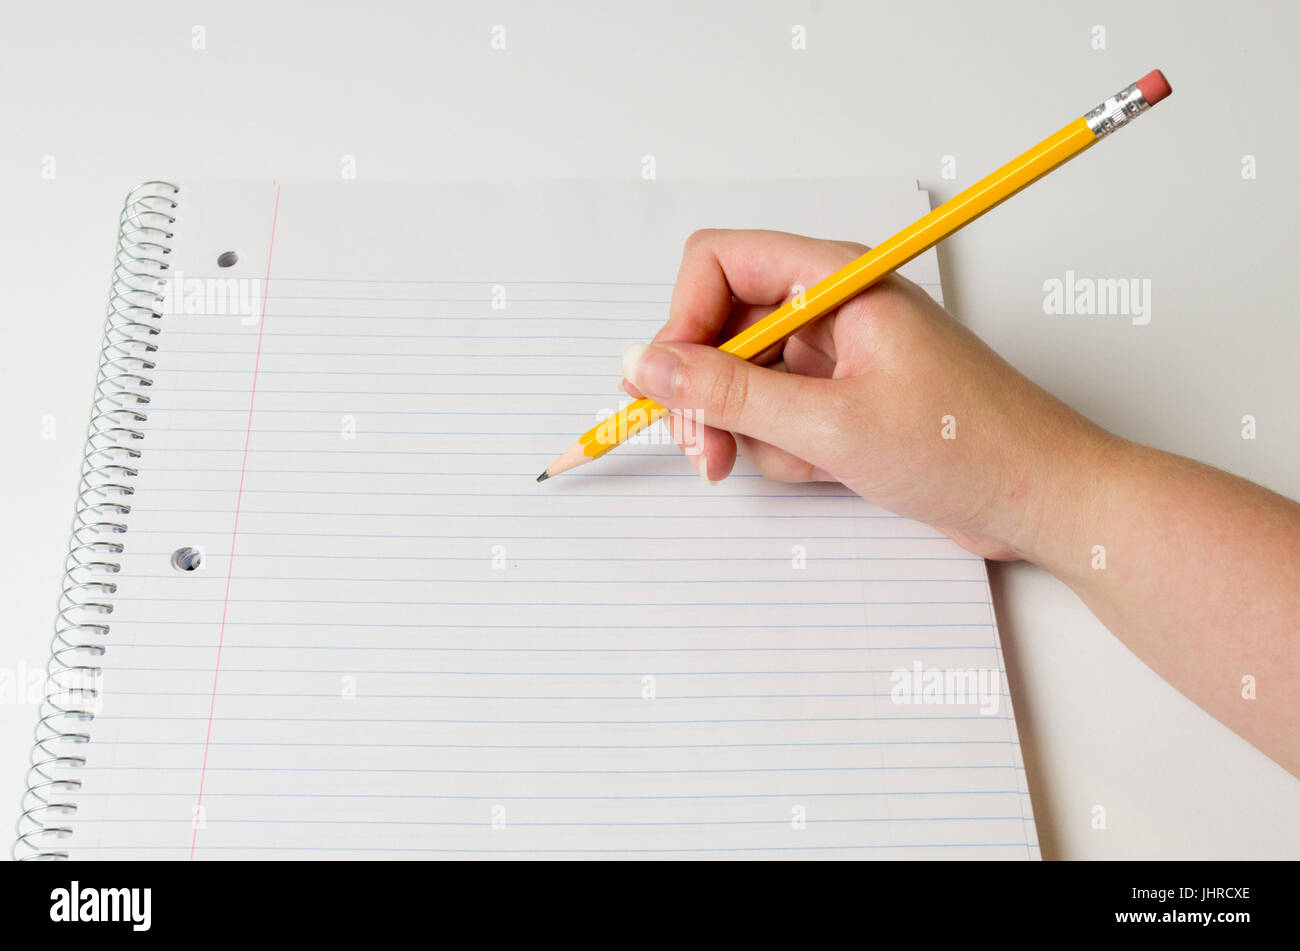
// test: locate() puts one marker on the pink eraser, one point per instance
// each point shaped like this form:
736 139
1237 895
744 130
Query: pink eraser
1154 87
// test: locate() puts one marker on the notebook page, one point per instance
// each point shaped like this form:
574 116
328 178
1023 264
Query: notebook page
399 646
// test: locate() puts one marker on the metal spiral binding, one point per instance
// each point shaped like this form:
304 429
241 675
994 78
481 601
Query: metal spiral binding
72 690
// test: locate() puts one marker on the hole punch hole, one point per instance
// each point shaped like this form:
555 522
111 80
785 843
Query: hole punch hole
187 559
227 259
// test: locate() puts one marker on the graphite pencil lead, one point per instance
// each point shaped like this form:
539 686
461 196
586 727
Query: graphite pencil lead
543 477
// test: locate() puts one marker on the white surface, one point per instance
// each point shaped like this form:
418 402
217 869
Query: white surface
116 94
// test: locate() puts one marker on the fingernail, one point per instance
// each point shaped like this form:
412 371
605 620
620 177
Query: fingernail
652 370
701 464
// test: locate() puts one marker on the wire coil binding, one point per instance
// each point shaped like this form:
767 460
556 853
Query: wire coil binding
72 684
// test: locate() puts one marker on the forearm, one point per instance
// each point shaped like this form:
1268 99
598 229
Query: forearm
1195 570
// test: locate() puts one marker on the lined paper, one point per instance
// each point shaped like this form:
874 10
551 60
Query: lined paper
399 646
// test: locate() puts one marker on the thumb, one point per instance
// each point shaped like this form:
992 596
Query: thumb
789 411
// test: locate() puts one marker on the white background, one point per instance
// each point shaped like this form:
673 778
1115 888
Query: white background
116 94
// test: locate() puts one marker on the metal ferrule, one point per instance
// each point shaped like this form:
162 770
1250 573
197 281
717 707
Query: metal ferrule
1116 111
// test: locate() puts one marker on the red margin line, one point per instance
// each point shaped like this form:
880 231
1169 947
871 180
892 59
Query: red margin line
234 532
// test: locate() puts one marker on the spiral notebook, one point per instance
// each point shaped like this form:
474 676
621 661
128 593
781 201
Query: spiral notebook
316 606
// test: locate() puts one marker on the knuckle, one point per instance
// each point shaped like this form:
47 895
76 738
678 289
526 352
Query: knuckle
697 239
728 392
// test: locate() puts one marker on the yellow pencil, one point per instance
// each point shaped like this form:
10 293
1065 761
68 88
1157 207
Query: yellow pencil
854 278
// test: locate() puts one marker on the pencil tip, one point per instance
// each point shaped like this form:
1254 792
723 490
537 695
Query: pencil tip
543 477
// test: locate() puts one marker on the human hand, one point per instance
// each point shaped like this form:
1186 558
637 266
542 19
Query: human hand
889 395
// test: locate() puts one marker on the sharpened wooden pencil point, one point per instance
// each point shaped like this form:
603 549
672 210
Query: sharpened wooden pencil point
571 459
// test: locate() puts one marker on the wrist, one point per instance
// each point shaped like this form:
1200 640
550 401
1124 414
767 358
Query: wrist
1072 489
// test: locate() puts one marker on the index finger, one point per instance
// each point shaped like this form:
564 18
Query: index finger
729 279
760 269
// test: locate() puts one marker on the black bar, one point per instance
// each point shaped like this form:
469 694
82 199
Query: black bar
611 902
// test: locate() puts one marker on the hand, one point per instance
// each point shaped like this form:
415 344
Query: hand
889 395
